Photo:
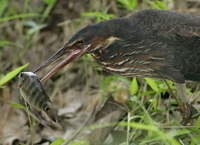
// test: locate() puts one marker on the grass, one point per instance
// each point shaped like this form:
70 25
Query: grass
148 120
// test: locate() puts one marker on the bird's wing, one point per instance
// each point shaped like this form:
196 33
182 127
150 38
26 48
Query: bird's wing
182 37
179 35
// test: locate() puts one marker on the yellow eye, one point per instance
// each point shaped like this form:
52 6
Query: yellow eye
79 43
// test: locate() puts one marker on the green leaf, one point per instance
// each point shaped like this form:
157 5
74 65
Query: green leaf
154 101
128 4
58 142
133 4
195 140
124 2
49 2
98 15
161 5
152 84
198 123
78 143
150 92
17 106
19 16
12 74
3 5
4 43
22 144
134 86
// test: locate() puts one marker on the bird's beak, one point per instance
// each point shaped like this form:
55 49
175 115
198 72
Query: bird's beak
67 48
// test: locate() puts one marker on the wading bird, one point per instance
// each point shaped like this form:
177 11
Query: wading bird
150 43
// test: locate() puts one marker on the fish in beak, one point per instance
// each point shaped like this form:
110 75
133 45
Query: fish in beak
85 41
35 95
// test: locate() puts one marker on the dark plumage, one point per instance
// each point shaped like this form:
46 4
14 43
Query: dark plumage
150 43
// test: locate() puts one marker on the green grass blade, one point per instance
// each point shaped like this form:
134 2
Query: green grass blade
17 106
12 74
134 86
3 43
58 142
19 16
152 84
3 5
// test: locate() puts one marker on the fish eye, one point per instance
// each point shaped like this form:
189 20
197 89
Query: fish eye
79 42
46 108
20 75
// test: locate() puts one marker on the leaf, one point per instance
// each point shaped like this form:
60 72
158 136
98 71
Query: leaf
128 4
134 86
154 101
12 74
4 43
133 4
98 15
124 2
198 123
195 140
78 143
161 5
22 144
3 5
152 84
58 142
19 16
17 106
49 2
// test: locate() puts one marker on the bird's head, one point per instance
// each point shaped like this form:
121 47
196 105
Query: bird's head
86 40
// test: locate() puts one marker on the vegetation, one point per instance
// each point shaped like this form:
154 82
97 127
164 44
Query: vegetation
33 31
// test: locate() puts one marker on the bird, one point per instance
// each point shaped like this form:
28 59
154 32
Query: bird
151 43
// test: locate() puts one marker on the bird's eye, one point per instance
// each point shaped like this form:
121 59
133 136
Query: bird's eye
46 108
79 43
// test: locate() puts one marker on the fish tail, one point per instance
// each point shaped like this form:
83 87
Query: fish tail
51 115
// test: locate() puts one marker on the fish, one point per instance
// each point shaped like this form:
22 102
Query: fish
33 92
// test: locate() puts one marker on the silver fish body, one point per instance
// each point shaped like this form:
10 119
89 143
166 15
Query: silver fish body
34 93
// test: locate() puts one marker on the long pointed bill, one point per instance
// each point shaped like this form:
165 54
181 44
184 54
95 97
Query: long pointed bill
53 58
63 50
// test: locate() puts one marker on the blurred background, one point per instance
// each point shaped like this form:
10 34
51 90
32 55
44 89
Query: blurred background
32 30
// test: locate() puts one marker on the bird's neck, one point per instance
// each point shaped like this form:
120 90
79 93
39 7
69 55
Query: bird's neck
123 59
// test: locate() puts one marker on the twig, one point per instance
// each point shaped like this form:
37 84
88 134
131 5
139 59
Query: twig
30 123
172 93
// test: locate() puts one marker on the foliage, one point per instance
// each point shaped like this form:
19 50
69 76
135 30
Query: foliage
128 4
14 105
134 86
98 15
11 74
145 94
58 142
